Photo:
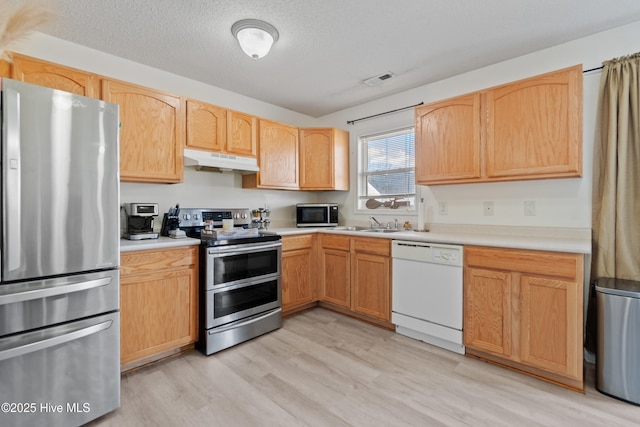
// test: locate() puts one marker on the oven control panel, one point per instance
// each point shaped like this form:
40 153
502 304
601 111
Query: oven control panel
197 217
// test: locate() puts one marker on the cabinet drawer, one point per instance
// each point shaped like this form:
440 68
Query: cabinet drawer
157 259
546 263
335 241
372 245
290 243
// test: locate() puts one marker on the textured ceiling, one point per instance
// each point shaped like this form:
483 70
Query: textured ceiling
327 47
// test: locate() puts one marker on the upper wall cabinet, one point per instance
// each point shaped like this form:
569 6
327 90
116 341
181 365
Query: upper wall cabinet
277 157
55 76
151 132
530 129
448 140
241 134
206 126
324 159
5 69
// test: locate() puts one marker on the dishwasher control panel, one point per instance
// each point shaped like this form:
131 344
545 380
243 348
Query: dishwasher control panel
435 253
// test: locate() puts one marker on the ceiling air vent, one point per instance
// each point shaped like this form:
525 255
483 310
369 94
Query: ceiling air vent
376 80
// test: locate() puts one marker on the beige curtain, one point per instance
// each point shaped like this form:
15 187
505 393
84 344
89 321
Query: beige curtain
616 172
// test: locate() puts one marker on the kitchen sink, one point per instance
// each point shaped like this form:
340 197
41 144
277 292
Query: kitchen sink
365 229
350 228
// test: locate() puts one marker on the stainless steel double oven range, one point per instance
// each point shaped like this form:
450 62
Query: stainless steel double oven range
240 280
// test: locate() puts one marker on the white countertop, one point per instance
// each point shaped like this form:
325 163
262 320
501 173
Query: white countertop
534 239
159 243
543 239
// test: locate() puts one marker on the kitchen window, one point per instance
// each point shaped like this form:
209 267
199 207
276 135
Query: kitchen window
387 170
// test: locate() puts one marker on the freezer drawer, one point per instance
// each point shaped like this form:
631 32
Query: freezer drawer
39 303
73 373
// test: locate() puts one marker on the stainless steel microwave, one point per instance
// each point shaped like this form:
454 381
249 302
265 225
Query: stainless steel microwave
316 215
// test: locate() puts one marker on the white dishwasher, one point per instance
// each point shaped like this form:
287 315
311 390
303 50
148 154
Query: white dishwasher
427 292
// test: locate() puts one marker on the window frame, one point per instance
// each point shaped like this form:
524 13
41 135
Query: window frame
361 175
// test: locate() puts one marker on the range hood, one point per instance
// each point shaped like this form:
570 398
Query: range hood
206 160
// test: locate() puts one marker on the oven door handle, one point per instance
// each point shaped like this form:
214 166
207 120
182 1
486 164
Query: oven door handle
216 253
245 322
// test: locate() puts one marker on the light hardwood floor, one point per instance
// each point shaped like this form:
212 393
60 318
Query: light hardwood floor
325 369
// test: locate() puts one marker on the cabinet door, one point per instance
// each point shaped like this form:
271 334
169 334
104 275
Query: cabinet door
241 134
278 156
157 312
55 76
551 325
324 159
316 159
535 127
297 278
487 310
336 287
206 126
448 140
5 69
371 285
151 133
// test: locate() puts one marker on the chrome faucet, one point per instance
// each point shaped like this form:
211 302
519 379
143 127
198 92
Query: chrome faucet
396 223
373 220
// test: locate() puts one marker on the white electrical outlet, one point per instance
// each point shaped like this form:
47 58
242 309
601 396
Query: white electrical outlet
488 208
529 208
443 209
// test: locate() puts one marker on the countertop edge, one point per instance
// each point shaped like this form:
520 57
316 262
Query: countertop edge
580 246
161 242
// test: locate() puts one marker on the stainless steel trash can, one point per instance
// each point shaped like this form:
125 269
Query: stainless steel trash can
618 338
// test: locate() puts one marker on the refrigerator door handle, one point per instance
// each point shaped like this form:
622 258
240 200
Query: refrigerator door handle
53 341
12 188
20 296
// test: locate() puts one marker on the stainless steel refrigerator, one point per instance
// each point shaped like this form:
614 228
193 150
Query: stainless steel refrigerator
59 260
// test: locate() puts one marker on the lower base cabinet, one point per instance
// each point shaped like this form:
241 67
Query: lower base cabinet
298 273
158 303
356 277
524 309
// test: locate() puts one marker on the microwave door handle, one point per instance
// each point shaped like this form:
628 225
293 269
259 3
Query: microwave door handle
53 341
12 225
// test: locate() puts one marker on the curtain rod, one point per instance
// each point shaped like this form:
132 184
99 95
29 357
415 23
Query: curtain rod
350 122
593 69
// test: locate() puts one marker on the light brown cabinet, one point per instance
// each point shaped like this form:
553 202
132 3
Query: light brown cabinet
529 129
5 69
324 159
277 157
524 309
371 277
206 126
335 276
54 76
448 140
241 134
299 273
158 303
356 277
151 132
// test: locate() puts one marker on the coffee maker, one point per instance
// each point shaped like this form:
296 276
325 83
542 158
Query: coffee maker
138 220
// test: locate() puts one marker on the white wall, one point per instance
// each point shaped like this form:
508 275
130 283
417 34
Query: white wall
559 202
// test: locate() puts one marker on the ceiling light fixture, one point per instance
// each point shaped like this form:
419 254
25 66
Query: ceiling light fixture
255 37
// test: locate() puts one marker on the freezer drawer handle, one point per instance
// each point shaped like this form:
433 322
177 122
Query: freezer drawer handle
49 292
245 322
54 341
